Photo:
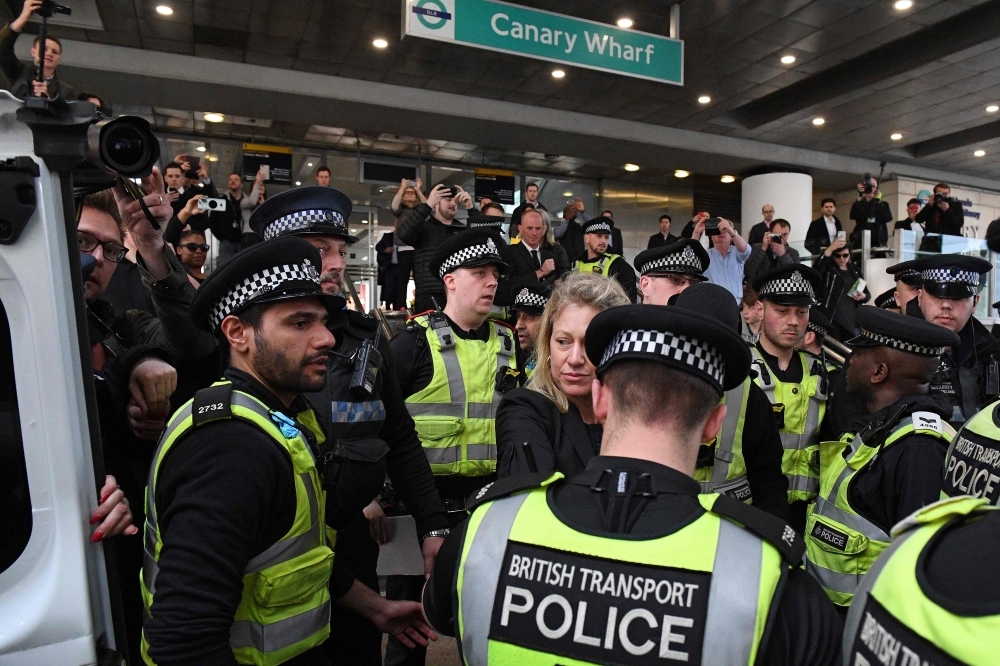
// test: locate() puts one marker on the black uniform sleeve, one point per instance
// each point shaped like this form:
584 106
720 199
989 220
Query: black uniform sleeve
439 601
917 475
224 495
406 463
519 422
806 629
762 452
414 365
625 275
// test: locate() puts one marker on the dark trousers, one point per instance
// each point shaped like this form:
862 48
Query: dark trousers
353 639
423 302
403 270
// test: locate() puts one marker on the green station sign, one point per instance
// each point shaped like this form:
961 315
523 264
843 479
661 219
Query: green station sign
500 26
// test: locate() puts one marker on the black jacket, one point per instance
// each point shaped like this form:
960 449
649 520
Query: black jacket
534 436
522 268
425 233
657 240
19 76
803 628
818 237
837 305
937 221
619 269
873 216
572 239
757 231
515 217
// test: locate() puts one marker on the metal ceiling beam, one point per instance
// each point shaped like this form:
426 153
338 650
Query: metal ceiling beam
942 144
168 80
960 32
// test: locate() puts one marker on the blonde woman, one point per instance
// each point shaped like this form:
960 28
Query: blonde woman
550 425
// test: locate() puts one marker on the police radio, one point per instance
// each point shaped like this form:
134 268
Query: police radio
367 360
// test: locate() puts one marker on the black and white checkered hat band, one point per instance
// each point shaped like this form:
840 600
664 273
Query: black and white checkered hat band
303 219
488 223
487 250
528 299
902 275
796 285
598 228
259 284
817 329
698 355
680 262
951 275
908 347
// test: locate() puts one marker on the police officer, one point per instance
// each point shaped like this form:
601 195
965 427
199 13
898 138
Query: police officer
369 432
529 304
669 269
887 300
930 598
842 408
972 466
454 367
626 563
908 282
969 374
597 259
744 460
236 562
891 465
796 387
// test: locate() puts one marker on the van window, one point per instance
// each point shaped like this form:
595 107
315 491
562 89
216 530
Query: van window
15 502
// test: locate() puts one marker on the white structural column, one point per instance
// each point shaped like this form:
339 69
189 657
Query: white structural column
791 195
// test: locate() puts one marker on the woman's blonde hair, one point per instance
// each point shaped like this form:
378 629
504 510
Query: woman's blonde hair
581 289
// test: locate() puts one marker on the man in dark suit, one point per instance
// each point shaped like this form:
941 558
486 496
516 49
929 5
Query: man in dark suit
824 228
664 237
530 263
757 231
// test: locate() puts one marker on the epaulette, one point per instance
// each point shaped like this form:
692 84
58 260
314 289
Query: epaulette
361 320
511 485
503 323
772 530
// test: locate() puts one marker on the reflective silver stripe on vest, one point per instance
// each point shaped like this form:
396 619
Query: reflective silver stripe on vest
730 627
845 583
808 484
481 410
435 409
453 454
724 450
149 565
282 551
486 557
810 435
826 506
278 635
860 599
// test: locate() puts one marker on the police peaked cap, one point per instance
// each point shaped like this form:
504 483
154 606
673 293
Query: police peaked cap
685 257
278 270
887 299
818 323
531 299
712 300
952 275
901 332
468 249
683 339
907 273
599 225
304 211
791 284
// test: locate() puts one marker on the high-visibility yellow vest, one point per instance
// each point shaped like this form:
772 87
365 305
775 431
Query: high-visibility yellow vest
892 615
842 545
728 474
802 408
455 413
533 591
973 463
599 265
285 607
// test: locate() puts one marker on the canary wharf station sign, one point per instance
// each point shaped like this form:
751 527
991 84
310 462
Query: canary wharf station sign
499 26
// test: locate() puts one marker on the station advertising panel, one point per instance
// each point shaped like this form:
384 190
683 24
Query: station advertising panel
499 26
497 184
275 160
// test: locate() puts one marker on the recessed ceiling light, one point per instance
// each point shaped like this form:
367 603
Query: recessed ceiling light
631 167
567 194
903 5
728 179
298 182
788 59
558 73
354 231
214 117
164 10
980 153
309 164
200 149
212 158
704 99
992 108
681 173
818 121
896 137
380 43
625 23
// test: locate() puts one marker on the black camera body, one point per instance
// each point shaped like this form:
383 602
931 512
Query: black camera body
941 196
869 183
776 238
367 359
50 7
712 226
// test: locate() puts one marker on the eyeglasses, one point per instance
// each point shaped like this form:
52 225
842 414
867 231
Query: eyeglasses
194 247
113 252
676 280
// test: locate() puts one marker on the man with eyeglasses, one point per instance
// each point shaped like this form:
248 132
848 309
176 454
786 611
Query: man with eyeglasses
193 251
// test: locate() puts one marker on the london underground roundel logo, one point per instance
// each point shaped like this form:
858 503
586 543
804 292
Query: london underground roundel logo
432 13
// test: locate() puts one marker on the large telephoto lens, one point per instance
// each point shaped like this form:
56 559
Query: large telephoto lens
124 146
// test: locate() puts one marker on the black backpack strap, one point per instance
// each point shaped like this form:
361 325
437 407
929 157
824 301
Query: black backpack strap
212 403
510 485
772 530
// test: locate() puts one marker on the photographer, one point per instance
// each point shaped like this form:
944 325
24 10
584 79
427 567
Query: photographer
942 215
20 77
840 274
772 252
870 213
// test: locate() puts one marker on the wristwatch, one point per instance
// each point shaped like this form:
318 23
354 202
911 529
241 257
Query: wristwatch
440 534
